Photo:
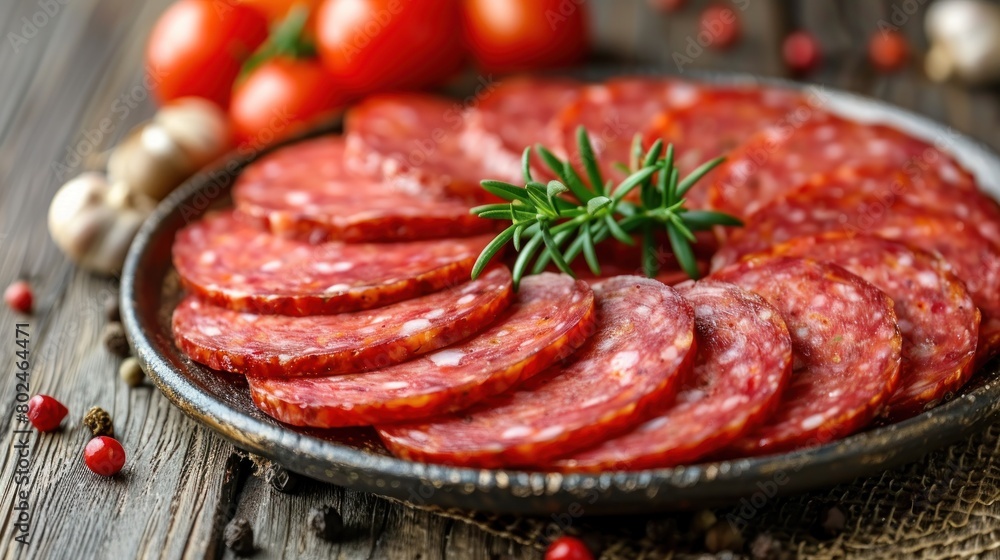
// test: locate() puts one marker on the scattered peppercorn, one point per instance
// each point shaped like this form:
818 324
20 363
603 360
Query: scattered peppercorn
111 309
888 51
281 479
45 413
326 522
98 421
801 52
239 537
723 536
104 455
568 548
114 340
131 373
19 297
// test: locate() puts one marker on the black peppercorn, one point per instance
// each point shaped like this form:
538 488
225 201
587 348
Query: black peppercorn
98 421
114 340
326 522
239 537
281 479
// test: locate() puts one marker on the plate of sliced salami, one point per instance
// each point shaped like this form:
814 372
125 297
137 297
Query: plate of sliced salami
357 306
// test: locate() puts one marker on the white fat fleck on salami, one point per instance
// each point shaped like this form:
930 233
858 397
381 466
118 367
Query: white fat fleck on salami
516 429
466 299
270 266
451 357
278 345
846 342
394 385
451 378
439 312
718 402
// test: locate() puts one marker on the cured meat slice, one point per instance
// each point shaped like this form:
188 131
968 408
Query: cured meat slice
778 159
643 347
846 351
744 361
823 207
303 191
514 116
938 321
550 318
722 120
614 112
415 141
277 345
235 265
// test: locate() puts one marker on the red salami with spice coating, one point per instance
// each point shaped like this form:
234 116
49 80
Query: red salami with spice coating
631 366
842 205
235 265
722 120
744 361
512 117
614 112
550 318
415 142
778 159
277 345
846 351
937 319
303 191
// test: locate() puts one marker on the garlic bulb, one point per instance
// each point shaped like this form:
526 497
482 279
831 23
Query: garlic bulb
965 41
93 221
162 153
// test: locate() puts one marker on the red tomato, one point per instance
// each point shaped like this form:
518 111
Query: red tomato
373 45
510 35
888 50
720 26
802 52
276 10
198 46
280 98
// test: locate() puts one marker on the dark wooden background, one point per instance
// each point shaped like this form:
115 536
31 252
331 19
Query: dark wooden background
182 483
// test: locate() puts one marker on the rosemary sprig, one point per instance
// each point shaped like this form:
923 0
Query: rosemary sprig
549 227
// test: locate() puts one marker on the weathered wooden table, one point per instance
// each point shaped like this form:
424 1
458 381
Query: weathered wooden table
71 75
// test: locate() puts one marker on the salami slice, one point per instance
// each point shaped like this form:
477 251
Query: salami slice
415 141
232 264
550 318
722 120
614 112
846 351
643 347
514 116
744 361
303 191
277 345
778 159
938 321
827 206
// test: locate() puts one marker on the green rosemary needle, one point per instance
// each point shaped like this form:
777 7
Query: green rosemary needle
556 222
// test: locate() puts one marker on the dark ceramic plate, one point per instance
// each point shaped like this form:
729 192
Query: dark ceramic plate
355 458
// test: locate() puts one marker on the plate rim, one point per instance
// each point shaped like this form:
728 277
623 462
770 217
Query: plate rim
525 492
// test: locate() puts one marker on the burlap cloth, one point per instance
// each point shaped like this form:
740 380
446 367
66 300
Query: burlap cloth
944 506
